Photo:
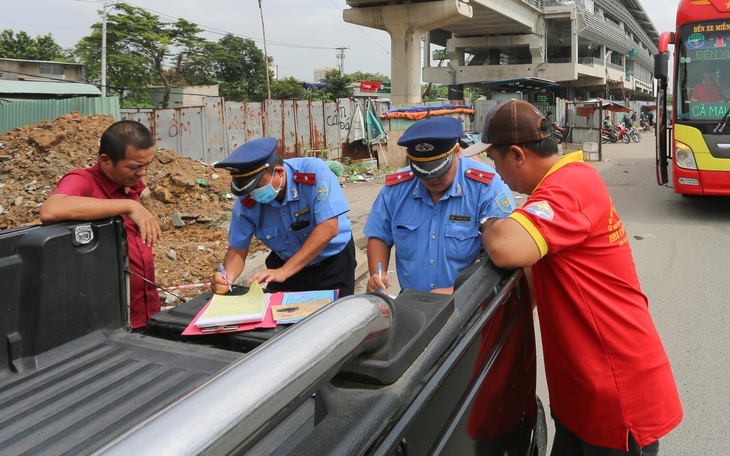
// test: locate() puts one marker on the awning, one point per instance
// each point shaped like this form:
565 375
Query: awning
608 105
513 85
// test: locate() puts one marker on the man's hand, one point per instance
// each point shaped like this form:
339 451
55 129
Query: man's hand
60 207
149 229
269 275
218 284
376 283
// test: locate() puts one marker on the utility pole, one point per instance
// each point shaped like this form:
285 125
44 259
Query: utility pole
266 55
109 5
341 59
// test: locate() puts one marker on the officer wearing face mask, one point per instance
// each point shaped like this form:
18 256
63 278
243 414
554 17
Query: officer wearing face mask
296 208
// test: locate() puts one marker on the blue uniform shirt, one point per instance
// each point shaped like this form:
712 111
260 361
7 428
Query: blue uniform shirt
434 242
313 194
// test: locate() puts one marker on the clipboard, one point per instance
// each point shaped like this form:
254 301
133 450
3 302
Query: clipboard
265 321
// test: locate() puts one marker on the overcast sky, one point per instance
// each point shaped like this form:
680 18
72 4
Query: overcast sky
301 34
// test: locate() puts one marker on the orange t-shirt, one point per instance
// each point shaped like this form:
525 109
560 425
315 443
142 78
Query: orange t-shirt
606 368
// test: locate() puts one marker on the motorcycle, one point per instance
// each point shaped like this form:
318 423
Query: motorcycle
559 133
633 134
622 134
608 136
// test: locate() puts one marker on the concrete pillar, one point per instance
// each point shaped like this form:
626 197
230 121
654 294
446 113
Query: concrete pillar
406 24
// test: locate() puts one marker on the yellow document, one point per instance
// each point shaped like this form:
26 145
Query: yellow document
235 309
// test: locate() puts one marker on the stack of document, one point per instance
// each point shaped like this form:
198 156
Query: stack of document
295 305
231 309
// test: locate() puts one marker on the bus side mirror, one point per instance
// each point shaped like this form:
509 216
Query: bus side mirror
661 66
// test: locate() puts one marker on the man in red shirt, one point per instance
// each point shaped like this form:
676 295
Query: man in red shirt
709 90
611 386
113 187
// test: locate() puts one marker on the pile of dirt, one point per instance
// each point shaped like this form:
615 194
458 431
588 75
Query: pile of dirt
34 158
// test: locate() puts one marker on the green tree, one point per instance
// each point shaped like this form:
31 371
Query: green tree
241 69
201 67
128 75
22 46
165 52
374 77
338 86
288 89
435 92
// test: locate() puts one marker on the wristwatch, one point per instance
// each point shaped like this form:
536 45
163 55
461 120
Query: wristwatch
484 221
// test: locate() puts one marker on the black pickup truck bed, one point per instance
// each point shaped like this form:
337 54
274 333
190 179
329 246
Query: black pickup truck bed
91 390
421 374
74 378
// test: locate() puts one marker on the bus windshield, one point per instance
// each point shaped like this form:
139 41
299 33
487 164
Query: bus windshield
703 71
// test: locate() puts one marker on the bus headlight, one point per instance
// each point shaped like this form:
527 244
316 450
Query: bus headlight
683 156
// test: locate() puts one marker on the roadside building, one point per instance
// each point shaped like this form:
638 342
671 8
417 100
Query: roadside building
40 70
571 49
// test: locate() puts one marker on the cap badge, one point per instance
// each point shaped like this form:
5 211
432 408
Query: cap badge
423 147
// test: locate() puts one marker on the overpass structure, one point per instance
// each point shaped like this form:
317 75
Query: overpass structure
581 48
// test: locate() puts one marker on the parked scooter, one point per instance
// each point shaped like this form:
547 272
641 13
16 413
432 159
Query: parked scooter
559 133
608 136
622 133
633 134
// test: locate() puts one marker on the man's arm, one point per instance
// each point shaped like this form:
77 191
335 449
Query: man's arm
233 263
508 244
322 234
378 253
59 207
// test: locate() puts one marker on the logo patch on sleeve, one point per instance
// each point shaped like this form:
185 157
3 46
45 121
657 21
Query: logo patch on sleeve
541 209
322 191
503 203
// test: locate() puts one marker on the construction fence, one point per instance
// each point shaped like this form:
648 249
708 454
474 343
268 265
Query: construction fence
210 132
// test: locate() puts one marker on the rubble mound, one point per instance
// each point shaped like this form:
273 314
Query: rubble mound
191 199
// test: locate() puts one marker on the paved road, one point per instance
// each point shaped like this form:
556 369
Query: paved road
682 252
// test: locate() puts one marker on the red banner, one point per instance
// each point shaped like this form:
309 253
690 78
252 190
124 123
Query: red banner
367 86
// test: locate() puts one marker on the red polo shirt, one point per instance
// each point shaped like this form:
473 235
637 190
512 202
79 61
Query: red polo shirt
92 182
606 368
707 93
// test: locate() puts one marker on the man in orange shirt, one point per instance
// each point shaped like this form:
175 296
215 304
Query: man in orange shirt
612 391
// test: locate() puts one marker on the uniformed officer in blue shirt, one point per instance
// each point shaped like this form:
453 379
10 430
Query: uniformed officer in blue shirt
431 211
296 208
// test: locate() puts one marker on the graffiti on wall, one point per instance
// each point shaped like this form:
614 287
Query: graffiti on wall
182 128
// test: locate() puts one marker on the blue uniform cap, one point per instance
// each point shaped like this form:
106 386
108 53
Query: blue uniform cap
430 145
247 164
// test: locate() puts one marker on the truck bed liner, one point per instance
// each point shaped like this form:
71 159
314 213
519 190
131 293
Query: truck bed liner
88 391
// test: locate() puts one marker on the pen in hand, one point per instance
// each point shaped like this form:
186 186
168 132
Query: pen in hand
225 277
380 276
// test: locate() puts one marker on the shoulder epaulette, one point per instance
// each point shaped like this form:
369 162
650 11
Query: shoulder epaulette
248 202
305 178
478 175
397 178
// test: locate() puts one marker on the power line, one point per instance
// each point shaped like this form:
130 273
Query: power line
217 31
363 30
